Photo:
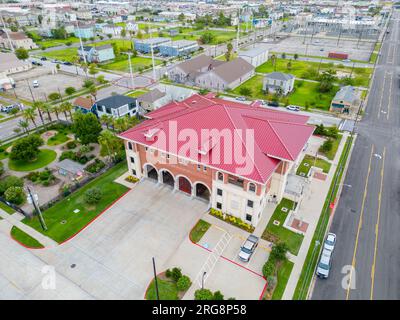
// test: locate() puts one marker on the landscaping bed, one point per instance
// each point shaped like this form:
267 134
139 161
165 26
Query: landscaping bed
58 138
278 233
237 222
61 220
310 161
199 230
25 238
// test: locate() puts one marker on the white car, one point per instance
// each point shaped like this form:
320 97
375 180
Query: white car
35 84
330 241
324 264
293 108
248 248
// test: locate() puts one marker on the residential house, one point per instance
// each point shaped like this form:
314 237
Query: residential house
84 31
16 40
10 64
278 81
111 29
116 106
228 75
84 105
145 45
98 54
199 168
345 99
255 56
84 15
178 48
131 26
152 100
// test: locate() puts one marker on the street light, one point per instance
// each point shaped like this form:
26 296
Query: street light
34 199
155 279
130 68
202 279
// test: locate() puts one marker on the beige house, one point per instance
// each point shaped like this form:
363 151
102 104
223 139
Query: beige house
17 39
346 98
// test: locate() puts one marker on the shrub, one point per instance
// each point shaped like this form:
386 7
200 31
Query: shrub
279 251
183 283
218 295
168 273
71 144
327 146
10 181
26 148
176 274
15 195
93 195
70 90
1 168
67 155
269 268
96 166
245 91
131 179
203 294
54 96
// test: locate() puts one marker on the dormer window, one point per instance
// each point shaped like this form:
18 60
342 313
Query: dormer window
151 134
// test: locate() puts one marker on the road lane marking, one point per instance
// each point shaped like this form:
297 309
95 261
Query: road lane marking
380 102
390 96
377 227
353 263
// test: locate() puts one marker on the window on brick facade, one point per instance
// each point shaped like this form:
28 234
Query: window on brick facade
130 147
220 176
204 168
132 160
250 203
198 167
249 217
252 187
219 205
134 172
219 192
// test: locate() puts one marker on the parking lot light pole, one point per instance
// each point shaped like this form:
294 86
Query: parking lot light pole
202 279
37 208
155 279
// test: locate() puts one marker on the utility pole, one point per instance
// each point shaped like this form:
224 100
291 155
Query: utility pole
30 90
37 208
155 279
81 43
6 31
130 68
237 32
152 59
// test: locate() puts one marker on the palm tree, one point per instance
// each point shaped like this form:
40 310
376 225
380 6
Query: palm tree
106 119
23 125
29 114
46 108
38 105
67 107
93 92
110 142
56 109
76 60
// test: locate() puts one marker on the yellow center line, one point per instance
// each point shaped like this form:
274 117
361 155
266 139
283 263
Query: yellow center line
353 263
377 226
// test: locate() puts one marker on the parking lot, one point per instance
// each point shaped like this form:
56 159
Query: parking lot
49 82
322 46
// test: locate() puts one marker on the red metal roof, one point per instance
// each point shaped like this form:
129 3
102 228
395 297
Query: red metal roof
277 135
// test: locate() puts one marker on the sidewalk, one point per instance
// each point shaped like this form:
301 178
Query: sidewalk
14 220
311 209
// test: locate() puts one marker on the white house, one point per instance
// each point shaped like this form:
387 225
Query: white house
278 80
111 29
255 56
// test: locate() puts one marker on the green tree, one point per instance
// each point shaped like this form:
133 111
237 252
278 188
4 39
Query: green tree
279 252
86 127
15 195
10 181
27 148
54 96
245 91
110 143
93 195
218 295
67 107
183 283
228 52
207 38
70 90
295 56
203 294
22 54
92 69
29 114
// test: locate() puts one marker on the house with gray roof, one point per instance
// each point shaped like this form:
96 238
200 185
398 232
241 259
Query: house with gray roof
97 54
116 106
153 99
256 56
346 98
278 81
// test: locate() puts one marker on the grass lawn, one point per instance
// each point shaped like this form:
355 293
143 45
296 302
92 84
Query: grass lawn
62 222
45 157
331 154
304 91
199 230
311 260
167 290
6 208
49 43
25 238
67 54
308 162
3 152
301 69
57 139
138 63
220 36
122 44
136 93
279 233
283 277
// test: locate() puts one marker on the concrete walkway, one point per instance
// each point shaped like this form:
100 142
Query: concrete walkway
310 210
14 220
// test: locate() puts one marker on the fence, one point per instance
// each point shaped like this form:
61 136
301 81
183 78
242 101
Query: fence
15 207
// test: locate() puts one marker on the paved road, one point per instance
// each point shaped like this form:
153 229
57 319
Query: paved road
367 219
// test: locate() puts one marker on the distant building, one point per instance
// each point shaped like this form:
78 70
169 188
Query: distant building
256 56
86 32
152 100
17 39
144 45
178 48
10 64
275 81
346 98
111 29
116 106
97 54
131 26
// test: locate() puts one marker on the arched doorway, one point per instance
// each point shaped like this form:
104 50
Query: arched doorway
184 185
202 192
151 172
167 178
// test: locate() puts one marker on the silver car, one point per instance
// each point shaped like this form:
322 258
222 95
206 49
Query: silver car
324 264
330 241
248 248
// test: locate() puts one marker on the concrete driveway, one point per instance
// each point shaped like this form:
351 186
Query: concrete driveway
111 258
